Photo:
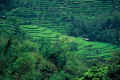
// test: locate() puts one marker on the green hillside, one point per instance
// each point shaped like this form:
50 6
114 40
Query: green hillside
97 20
87 49
59 39
38 49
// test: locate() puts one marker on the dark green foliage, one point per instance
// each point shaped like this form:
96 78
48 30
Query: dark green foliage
61 76
96 73
74 22
104 72
6 5
55 40
41 58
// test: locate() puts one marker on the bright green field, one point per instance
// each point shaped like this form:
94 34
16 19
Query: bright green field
87 50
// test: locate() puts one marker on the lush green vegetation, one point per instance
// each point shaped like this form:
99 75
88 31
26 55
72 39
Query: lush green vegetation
39 42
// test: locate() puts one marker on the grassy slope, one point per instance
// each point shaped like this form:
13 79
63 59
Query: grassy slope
88 50
78 60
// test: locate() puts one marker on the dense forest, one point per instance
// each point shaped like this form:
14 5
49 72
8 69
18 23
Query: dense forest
59 39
